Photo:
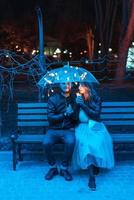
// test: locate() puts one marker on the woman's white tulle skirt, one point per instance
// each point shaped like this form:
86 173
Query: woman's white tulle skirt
93 146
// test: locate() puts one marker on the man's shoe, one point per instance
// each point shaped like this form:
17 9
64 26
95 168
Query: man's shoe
92 184
66 174
51 173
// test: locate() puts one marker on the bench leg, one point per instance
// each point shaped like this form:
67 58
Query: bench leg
19 152
14 155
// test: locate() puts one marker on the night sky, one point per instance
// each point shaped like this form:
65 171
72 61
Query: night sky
54 10
16 9
62 18
59 16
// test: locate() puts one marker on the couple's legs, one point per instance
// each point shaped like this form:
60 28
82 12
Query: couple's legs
49 140
68 138
55 136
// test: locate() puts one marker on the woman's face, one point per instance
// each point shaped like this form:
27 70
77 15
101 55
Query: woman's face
83 89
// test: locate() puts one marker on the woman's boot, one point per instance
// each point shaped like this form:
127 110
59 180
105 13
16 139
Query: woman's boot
91 182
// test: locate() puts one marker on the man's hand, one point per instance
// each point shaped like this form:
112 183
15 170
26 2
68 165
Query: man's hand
69 110
79 99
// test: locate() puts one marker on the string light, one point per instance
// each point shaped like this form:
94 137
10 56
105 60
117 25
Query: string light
57 51
110 49
55 56
65 51
30 68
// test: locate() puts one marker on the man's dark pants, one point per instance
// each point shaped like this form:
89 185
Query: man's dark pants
54 136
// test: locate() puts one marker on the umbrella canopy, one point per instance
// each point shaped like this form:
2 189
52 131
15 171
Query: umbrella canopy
67 74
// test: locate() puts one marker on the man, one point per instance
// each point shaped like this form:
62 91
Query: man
62 116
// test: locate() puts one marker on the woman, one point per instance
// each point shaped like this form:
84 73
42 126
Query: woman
93 142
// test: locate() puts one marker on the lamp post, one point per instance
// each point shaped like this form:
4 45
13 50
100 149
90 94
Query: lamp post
42 62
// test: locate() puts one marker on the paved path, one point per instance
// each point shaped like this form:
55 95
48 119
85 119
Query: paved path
28 183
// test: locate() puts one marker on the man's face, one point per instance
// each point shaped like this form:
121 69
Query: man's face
65 87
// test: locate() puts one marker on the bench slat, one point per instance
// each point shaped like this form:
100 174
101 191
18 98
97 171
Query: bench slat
103 116
20 111
45 123
39 138
119 122
33 123
118 103
30 138
32 105
123 138
117 110
117 116
31 117
104 110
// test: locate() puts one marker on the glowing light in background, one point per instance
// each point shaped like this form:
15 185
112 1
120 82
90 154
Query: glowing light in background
57 51
110 49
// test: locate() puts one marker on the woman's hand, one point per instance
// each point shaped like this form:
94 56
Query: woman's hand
79 99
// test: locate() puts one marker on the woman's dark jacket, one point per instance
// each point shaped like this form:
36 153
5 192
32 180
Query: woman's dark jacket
93 107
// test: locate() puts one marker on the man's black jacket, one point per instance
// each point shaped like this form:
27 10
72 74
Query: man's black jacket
57 105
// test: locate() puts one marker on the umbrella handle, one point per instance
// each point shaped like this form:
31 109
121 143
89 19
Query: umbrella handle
78 94
68 64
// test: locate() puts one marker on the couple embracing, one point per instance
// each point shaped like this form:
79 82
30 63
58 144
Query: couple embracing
74 120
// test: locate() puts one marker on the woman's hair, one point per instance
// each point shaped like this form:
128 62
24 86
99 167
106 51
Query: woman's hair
87 92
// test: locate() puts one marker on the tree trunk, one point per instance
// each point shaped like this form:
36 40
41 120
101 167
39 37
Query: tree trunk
90 43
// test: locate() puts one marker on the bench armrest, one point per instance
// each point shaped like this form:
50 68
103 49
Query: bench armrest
15 134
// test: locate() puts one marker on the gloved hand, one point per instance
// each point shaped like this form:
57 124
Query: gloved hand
69 110
79 99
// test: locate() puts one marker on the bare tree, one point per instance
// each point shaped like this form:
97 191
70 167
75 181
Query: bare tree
106 13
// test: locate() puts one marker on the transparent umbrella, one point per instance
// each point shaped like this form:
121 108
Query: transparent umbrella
67 74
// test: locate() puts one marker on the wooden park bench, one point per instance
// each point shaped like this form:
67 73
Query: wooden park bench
32 119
